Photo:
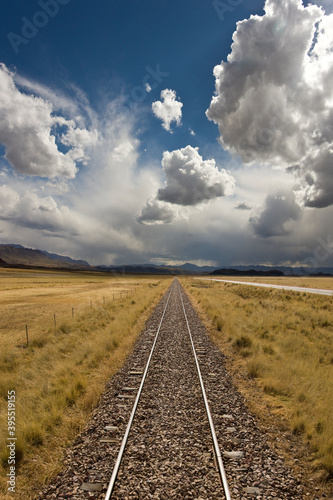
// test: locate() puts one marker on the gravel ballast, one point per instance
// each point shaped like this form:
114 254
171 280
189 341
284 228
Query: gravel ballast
169 453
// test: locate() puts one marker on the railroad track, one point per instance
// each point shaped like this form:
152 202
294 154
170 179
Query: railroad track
152 430
184 341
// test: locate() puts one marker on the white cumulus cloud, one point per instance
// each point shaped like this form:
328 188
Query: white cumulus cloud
169 109
190 181
29 130
273 101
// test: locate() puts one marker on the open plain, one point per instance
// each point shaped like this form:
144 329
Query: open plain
169 453
81 327
277 347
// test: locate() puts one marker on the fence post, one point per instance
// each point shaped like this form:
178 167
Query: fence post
26 332
72 312
55 321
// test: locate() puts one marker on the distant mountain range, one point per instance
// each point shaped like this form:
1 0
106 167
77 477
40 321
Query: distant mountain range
162 269
250 272
272 271
13 255
19 256
62 258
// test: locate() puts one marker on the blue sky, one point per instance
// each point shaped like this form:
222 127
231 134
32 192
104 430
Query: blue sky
120 145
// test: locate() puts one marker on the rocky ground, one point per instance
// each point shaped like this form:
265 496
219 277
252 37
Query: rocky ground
170 452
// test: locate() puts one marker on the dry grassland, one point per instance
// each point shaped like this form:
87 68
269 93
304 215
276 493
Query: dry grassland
325 283
59 377
32 298
284 341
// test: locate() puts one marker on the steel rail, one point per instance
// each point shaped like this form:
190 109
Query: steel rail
211 424
129 425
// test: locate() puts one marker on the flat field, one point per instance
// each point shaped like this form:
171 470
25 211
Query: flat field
81 327
325 283
282 342
32 298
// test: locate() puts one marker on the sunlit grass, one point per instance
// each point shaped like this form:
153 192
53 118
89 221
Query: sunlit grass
59 377
285 341
41 300
325 283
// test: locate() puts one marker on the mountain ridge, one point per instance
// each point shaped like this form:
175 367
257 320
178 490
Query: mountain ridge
16 255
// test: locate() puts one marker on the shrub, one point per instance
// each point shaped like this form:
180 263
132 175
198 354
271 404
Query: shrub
267 349
219 322
301 397
65 328
34 434
242 342
8 361
254 369
298 426
274 389
245 353
40 342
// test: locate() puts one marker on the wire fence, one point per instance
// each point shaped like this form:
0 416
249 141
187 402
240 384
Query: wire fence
21 325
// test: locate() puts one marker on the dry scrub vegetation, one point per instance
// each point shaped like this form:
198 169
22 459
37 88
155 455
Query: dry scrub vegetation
285 342
300 281
59 377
